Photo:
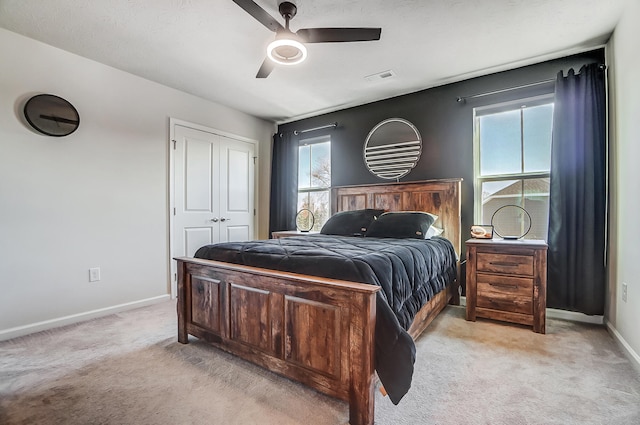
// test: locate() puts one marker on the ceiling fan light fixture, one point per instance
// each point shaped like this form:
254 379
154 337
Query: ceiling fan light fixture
288 47
286 51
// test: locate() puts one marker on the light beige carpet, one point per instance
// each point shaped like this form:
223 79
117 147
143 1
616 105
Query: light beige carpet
129 369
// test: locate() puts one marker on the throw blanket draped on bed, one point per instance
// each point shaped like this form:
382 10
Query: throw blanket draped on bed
409 271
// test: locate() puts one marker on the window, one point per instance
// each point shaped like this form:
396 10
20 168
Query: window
314 178
512 155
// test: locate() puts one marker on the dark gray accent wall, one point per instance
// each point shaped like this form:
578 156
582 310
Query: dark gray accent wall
446 125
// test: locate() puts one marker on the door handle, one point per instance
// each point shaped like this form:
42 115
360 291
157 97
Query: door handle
215 219
224 219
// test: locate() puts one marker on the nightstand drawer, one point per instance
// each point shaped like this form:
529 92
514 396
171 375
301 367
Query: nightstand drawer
505 263
505 293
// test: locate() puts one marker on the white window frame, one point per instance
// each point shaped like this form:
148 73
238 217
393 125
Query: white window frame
315 141
477 178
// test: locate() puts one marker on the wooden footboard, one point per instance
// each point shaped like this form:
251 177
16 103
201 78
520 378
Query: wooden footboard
314 330
317 331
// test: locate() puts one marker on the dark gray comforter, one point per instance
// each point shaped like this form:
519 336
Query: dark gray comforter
409 271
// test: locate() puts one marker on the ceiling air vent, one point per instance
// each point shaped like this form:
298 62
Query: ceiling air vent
384 75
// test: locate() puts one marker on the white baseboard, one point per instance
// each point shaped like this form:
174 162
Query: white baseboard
574 316
634 358
75 318
553 313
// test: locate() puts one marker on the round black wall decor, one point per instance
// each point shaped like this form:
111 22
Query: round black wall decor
51 115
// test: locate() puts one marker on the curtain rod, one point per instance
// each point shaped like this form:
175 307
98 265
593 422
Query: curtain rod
334 125
462 99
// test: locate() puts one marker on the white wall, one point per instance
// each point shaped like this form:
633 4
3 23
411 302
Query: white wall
624 84
96 198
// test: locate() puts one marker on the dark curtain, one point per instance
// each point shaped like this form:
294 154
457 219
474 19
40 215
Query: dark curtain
284 183
577 203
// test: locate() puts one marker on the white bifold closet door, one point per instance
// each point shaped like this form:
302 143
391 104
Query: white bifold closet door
214 190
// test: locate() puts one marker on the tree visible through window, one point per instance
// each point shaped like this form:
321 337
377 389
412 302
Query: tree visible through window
513 159
314 178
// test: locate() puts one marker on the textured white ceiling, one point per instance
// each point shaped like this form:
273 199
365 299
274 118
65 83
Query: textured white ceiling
213 48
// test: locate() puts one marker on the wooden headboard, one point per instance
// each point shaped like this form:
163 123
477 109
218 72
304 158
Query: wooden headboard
440 197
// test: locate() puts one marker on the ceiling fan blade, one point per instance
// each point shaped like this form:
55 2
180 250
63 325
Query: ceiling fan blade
338 35
259 14
265 69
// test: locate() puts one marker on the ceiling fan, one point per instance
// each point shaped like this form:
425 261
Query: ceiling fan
288 47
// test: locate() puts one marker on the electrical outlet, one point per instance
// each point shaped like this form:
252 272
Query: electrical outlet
624 291
94 274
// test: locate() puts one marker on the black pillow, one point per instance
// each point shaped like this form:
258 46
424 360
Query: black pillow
350 223
405 224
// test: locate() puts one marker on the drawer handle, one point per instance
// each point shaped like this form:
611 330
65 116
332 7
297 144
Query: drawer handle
498 263
504 285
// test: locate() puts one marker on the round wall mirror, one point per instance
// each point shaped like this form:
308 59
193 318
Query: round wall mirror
51 115
392 148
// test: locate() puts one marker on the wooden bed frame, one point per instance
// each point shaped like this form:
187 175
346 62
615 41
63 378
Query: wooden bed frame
314 330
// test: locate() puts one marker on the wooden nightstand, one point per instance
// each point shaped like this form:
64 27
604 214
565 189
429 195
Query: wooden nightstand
507 280
287 233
